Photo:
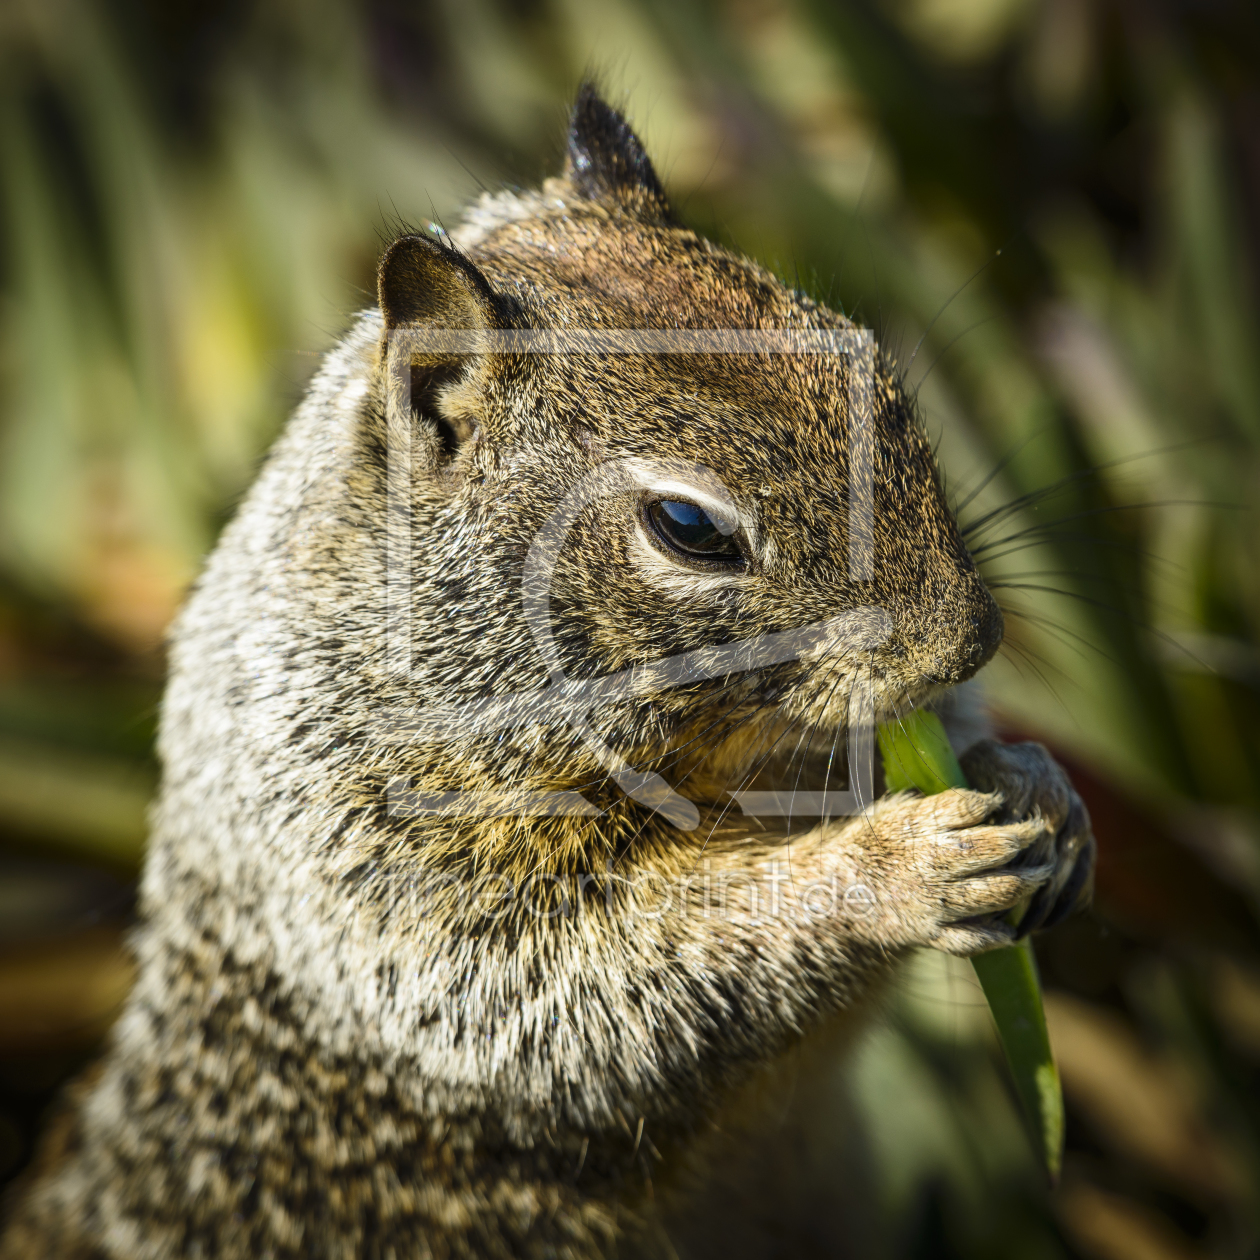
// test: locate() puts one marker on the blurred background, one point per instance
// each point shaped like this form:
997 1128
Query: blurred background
1050 209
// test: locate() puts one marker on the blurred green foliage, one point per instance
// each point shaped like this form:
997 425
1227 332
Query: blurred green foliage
1049 208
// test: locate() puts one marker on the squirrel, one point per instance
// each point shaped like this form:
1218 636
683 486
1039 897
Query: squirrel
446 943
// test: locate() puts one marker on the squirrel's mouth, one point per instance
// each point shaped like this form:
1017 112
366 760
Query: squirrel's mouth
800 733
782 711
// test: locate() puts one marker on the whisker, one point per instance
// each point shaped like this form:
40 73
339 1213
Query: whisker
1112 608
765 704
1058 629
1069 478
998 468
1034 661
817 721
1047 539
759 765
949 345
1091 512
1029 499
948 301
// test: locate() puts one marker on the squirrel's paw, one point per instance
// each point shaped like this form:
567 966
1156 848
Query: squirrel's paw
947 872
953 866
1032 785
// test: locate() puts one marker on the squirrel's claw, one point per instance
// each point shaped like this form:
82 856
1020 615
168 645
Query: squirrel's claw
1047 910
1032 784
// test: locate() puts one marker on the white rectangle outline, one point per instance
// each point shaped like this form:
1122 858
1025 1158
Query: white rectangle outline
855 344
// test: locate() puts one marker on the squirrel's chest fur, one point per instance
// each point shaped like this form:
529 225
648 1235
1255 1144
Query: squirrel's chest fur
255 1142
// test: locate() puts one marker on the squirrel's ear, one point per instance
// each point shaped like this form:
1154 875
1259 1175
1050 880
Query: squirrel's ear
423 284
422 281
606 161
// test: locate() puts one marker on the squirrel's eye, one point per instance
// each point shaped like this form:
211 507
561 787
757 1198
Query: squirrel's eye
691 531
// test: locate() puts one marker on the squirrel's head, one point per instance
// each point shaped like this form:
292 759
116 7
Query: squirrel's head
630 447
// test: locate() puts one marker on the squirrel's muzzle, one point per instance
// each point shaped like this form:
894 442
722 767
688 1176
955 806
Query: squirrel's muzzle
966 632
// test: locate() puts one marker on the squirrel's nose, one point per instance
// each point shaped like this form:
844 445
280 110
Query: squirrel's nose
988 626
973 630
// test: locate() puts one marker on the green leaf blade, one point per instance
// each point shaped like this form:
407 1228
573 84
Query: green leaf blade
917 754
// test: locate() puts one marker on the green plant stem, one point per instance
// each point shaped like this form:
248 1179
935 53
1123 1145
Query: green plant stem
917 754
